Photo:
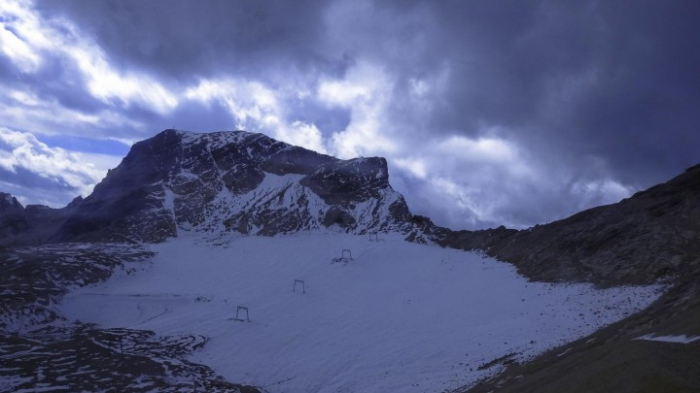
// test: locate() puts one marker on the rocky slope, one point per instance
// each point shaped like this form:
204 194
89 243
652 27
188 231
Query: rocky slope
41 350
36 278
654 235
86 358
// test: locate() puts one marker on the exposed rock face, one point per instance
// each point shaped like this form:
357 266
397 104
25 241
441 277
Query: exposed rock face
234 181
12 219
653 235
9 205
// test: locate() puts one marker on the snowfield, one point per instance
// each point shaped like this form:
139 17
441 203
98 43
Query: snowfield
398 317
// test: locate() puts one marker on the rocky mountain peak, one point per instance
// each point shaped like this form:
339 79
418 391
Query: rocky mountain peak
235 181
9 205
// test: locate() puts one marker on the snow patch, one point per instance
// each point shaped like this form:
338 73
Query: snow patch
680 339
169 205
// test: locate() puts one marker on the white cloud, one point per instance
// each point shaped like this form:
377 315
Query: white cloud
366 91
251 104
14 45
302 134
414 166
24 110
462 178
463 181
600 191
344 93
466 182
66 170
27 39
257 107
479 150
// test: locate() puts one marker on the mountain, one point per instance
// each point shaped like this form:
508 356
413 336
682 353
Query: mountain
654 235
225 182
218 185
176 182
11 216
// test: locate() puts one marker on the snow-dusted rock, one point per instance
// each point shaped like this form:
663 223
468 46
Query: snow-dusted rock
235 181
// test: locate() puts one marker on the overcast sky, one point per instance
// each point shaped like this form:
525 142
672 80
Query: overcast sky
488 112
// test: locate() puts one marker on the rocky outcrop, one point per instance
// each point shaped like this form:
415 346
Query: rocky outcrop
36 277
653 235
40 348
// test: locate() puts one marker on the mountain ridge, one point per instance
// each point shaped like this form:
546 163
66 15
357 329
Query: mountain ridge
653 235
230 181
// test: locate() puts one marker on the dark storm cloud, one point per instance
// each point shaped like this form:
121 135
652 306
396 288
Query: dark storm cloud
615 83
509 59
616 80
593 99
185 39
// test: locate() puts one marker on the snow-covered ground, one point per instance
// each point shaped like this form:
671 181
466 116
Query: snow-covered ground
399 317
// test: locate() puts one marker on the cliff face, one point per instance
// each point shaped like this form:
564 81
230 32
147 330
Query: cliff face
653 235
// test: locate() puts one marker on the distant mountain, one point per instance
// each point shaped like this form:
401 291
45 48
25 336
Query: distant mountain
12 219
225 182
33 224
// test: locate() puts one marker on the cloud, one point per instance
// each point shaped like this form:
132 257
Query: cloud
186 41
28 40
35 168
489 113
302 134
365 91
487 182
